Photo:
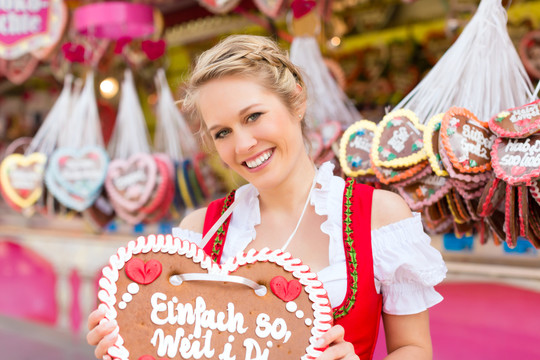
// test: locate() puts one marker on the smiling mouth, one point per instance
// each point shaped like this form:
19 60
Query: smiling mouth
252 164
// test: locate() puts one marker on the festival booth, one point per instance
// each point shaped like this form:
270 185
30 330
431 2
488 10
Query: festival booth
437 103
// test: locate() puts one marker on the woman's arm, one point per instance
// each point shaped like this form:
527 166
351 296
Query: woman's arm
407 336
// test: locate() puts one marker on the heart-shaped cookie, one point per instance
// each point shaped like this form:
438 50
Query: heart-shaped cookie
130 182
21 178
467 142
425 192
392 176
171 300
518 122
431 144
517 161
398 140
355 148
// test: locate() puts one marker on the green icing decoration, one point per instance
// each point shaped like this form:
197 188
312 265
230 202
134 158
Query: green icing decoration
391 156
472 163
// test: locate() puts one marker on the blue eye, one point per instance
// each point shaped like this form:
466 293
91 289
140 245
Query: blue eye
253 116
222 133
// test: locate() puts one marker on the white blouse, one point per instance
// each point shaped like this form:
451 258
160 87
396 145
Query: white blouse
405 265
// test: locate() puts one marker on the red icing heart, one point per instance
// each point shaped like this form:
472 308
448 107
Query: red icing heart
153 49
285 290
141 272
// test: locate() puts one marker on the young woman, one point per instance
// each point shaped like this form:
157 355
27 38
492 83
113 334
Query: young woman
367 247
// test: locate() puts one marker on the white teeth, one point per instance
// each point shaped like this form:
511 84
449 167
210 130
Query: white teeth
258 161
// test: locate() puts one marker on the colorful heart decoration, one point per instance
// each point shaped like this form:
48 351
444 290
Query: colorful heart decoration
398 140
517 161
21 179
130 182
466 140
392 176
153 49
75 176
161 312
518 122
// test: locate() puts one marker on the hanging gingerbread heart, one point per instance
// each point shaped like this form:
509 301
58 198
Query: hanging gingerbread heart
75 176
21 179
130 182
171 300
398 141
518 122
517 161
425 191
431 144
355 148
393 176
467 142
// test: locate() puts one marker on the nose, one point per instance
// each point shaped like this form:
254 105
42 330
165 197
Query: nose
244 141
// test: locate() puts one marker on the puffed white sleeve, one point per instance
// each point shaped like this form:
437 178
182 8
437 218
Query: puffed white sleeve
189 235
406 267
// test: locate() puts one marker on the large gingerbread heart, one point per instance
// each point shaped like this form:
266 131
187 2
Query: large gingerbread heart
517 161
431 144
171 300
517 122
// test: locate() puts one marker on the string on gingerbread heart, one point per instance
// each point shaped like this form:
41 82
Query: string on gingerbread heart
481 71
76 169
174 138
138 183
21 175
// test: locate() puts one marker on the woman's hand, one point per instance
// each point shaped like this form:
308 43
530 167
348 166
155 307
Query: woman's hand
101 335
338 348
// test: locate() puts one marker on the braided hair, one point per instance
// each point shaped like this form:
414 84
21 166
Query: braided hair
251 56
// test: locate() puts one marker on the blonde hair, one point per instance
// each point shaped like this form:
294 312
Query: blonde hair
251 56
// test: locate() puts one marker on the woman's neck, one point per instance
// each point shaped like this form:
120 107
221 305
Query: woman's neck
291 194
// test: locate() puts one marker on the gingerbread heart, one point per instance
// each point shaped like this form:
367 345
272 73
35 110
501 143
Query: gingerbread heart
130 182
355 148
172 300
431 144
392 176
21 178
517 122
517 161
467 142
398 141
425 192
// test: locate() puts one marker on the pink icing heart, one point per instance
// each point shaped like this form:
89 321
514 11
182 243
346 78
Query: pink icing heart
141 272
285 290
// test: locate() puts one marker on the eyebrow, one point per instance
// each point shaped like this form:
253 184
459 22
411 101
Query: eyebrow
240 113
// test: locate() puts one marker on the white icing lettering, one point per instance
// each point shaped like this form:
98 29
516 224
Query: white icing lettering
21 179
361 143
277 329
398 139
252 346
527 112
81 169
123 182
188 347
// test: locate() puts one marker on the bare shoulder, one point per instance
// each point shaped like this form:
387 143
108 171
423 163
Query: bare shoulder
387 208
194 221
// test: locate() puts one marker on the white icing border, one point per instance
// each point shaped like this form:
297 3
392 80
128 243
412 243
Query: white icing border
322 309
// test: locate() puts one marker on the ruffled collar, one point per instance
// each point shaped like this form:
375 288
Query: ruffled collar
247 215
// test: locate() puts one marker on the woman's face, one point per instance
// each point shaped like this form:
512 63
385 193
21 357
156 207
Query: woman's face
254 133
